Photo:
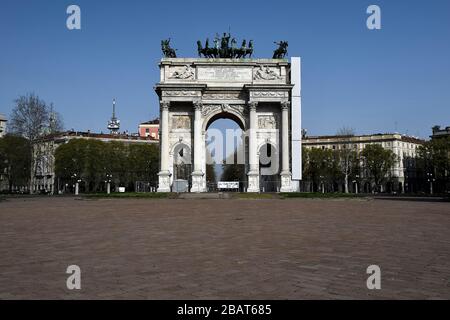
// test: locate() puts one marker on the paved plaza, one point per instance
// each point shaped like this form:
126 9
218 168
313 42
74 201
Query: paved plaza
224 249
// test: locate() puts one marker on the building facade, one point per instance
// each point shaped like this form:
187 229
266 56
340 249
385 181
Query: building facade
149 129
43 171
440 133
403 173
3 121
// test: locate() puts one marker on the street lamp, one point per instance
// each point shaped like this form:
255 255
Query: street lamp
430 179
77 183
322 184
108 183
356 183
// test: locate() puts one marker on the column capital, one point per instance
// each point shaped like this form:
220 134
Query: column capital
164 104
252 105
198 105
285 105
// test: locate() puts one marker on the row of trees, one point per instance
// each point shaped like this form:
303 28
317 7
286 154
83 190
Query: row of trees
94 162
330 167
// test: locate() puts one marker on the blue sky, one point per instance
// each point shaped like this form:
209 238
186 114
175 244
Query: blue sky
393 79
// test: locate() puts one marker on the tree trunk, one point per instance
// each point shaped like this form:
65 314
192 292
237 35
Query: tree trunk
346 183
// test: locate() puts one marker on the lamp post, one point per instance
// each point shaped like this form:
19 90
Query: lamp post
77 183
356 183
322 184
406 185
108 183
430 179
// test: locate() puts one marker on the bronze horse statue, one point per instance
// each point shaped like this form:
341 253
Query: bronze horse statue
207 52
281 51
168 52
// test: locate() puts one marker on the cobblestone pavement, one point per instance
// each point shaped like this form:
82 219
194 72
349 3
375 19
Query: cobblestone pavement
224 249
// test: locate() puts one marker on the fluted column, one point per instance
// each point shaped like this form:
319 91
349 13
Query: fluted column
285 136
164 174
197 136
253 173
197 175
285 171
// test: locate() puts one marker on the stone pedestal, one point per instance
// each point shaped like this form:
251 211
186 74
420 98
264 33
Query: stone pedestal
286 182
253 182
164 181
197 182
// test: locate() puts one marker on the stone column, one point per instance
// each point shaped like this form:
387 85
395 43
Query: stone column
285 171
253 173
164 174
197 175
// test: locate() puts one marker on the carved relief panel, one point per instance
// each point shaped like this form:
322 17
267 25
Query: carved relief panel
267 122
181 122
182 73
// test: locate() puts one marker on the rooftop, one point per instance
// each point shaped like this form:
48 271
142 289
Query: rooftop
375 136
154 121
88 134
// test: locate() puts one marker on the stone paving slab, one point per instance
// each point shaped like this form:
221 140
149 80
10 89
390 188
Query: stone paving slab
224 249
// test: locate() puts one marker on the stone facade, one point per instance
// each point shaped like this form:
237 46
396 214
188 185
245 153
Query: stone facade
193 92
2 125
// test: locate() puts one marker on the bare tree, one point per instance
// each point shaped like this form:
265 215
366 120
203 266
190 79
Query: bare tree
347 156
32 118
346 131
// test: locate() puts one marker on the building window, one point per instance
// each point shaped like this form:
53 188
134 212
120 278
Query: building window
147 130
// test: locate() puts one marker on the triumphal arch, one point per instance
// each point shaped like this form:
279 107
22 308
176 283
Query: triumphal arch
259 94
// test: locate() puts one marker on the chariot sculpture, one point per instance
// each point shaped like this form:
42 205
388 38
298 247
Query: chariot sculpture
281 51
225 47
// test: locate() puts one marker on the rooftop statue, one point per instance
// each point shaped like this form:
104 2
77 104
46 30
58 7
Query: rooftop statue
227 48
281 51
168 52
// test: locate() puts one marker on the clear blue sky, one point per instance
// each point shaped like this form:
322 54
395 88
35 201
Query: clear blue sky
397 78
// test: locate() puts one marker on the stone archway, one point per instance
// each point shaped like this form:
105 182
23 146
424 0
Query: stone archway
226 150
224 88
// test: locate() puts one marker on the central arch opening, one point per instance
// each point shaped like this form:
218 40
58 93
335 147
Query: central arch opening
225 152
269 168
